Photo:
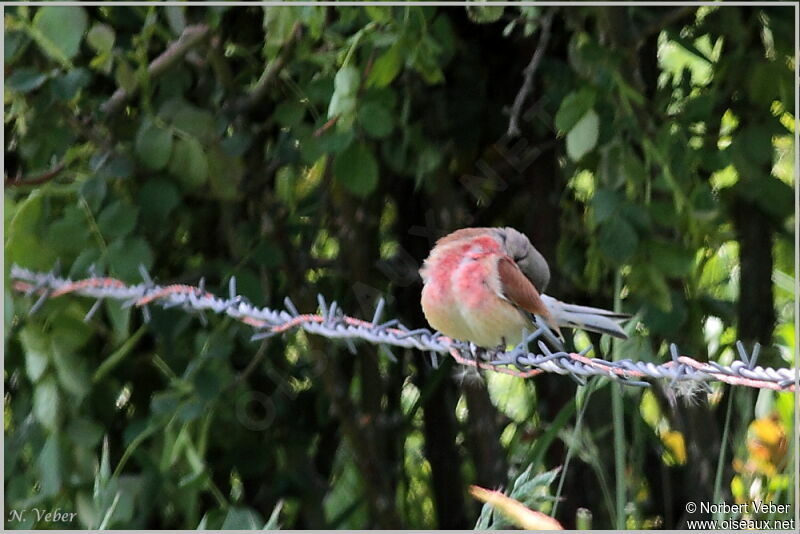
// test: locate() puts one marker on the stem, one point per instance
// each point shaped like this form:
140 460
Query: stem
269 75
190 37
578 422
721 460
530 70
618 416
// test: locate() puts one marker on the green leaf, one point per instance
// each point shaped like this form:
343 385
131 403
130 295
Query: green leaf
208 382
347 80
15 43
120 317
68 235
278 23
157 198
485 14
25 79
49 464
72 371
118 165
47 404
672 259
195 122
101 37
189 163
769 193
153 145
69 329
117 220
224 173
699 108
632 167
638 215
23 245
333 141
89 256
650 283
285 179
125 76
705 206
574 106
268 255
240 518
379 13
356 169
37 351
511 396
426 61
582 138
609 169
93 191
343 100
377 120
617 240
125 255
85 433
387 66
176 17
289 113
605 202
63 27
428 160
190 410
754 143
26 216
67 85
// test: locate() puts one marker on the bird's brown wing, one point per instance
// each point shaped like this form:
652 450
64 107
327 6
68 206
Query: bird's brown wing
521 292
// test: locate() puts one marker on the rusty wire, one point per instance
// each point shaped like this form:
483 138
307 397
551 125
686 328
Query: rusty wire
332 323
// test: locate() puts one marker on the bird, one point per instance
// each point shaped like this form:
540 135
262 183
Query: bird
486 286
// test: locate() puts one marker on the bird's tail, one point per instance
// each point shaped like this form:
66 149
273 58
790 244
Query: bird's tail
586 318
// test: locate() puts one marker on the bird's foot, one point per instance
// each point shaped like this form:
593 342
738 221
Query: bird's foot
475 351
499 349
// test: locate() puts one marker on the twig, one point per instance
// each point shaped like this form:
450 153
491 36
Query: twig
36 180
655 27
269 75
325 127
219 65
191 37
530 70
251 366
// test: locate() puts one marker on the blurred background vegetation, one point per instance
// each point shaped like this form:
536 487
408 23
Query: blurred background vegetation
647 152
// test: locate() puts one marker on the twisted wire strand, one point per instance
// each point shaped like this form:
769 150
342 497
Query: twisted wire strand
332 323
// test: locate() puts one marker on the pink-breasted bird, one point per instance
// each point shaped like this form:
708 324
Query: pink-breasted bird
484 284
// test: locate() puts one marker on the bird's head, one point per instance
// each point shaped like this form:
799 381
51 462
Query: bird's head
530 261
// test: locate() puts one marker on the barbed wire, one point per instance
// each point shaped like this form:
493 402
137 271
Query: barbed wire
332 323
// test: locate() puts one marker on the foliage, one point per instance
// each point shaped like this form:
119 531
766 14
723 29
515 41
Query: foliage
317 149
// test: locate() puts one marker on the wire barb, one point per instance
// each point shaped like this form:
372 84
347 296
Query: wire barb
529 358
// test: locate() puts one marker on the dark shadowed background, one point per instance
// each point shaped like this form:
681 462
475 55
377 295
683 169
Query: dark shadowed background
647 152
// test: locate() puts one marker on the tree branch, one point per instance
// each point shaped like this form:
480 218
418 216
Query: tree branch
37 180
530 70
191 37
269 75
